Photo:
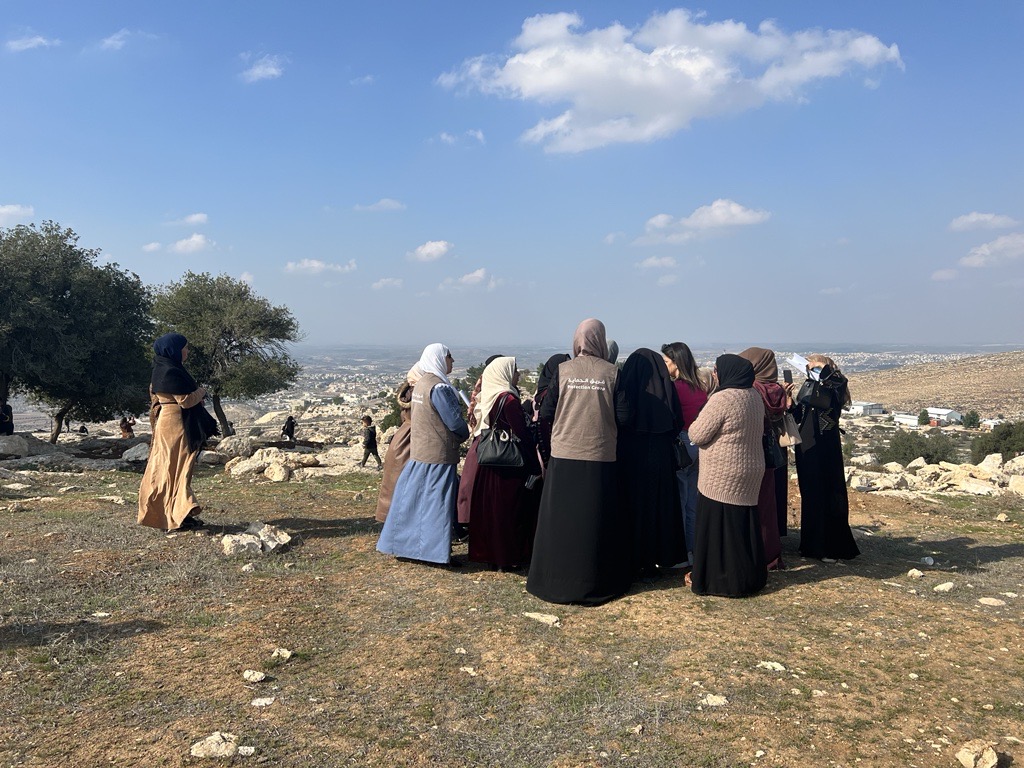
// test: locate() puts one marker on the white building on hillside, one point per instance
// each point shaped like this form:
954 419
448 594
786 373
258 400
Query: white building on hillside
942 417
906 419
861 408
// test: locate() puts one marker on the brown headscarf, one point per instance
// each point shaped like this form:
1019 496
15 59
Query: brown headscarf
763 360
590 339
824 360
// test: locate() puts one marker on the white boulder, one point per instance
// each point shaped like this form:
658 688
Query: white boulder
138 452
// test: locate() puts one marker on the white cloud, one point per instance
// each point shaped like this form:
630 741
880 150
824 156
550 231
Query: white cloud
266 67
668 280
12 214
364 80
613 237
721 214
451 139
192 244
640 85
315 266
975 220
432 250
944 274
116 41
469 280
192 220
247 277
1005 248
151 247
830 291
30 42
494 283
387 282
384 204
657 262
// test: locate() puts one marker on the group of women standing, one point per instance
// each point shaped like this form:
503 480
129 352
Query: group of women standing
642 469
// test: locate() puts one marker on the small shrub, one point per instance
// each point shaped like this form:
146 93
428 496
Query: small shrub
971 420
907 446
923 419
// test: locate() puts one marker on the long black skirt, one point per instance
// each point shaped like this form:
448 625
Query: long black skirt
824 506
728 550
650 496
581 551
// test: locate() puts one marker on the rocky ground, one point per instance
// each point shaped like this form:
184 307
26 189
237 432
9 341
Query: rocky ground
123 646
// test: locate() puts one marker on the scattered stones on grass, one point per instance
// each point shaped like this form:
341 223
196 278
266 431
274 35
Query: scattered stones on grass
977 753
247 751
774 666
714 700
248 567
263 701
17 486
217 744
993 601
119 500
461 651
254 676
241 543
914 573
280 655
70 489
1002 517
544 618
272 538
468 670
946 586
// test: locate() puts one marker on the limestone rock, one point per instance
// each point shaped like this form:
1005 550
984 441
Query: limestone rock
1014 466
893 467
217 744
24 444
544 618
917 463
309 473
946 586
271 538
138 452
17 486
278 473
977 753
1017 484
241 543
995 602
264 701
237 445
929 471
254 676
891 483
977 487
239 467
212 458
992 463
864 459
861 483
714 700
914 573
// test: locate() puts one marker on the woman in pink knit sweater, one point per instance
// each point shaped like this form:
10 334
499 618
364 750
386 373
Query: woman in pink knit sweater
728 550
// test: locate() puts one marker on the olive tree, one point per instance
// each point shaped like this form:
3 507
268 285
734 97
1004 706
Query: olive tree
237 339
72 332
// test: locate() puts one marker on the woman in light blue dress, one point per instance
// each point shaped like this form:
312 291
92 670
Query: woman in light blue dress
419 523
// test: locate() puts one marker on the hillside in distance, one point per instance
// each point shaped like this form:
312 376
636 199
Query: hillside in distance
989 384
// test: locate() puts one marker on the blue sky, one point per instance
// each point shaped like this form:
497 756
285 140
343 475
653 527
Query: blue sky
480 173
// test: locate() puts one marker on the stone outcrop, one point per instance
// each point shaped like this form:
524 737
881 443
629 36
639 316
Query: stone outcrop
991 477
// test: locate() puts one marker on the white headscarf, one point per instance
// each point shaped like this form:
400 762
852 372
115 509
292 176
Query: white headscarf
496 380
433 361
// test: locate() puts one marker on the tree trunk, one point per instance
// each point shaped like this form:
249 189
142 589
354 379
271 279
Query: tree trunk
58 418
225 426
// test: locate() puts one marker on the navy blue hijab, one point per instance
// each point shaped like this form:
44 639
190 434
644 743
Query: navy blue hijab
169 375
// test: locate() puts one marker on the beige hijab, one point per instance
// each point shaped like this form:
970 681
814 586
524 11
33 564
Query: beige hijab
496 380
590 339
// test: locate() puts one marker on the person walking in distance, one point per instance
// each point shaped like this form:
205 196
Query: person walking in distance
370 442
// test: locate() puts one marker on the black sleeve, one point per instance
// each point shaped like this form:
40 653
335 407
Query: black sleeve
547 408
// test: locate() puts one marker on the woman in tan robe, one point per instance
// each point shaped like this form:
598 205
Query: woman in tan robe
400 446
180 427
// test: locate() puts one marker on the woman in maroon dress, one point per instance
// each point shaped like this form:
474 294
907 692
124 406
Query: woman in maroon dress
504 509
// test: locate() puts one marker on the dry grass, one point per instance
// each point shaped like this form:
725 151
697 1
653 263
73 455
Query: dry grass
403 664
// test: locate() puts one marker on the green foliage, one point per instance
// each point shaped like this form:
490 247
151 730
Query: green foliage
971 420
1007 439
906 446
923 419
394 416
74 335
237 339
